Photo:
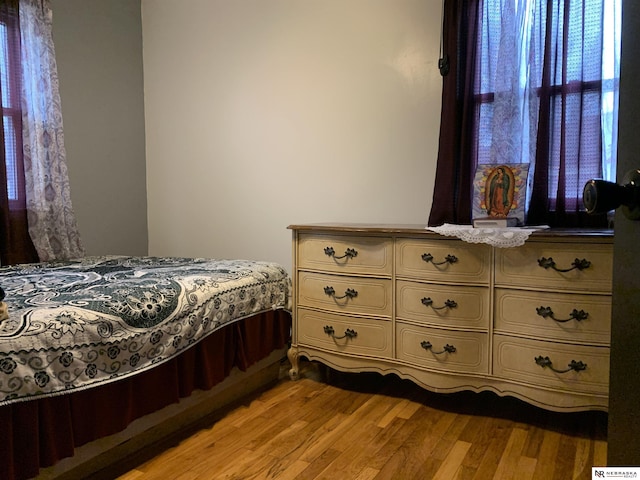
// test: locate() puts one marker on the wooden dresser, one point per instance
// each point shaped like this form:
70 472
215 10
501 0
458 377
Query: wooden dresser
531 322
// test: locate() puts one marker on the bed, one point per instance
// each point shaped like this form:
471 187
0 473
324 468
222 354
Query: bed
91 347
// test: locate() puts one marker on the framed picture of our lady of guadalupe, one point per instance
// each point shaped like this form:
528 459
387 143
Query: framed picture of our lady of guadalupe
499 194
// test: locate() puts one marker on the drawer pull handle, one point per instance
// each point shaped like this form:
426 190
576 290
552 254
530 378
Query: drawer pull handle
577 264
348 293
348 253
427 257
427 302
545 362
348 333
578 315
446 349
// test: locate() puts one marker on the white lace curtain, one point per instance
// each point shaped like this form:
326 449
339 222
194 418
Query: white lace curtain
52 223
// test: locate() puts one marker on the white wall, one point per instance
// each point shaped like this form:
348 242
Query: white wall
99 56
264 113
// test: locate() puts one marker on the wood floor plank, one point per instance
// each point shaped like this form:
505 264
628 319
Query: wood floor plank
525 469
409 410
293 471
366 474
478 434
453 461
583 460
312 437
411 458
600 453
334 437
280 444
450 437
465 472
318 465
361 422
347 462
270 453
498 433
547 455
375 452
366 427
393 413
565 457
511 455
394 442
534 440
246 465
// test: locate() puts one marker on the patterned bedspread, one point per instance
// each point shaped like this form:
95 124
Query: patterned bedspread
79 324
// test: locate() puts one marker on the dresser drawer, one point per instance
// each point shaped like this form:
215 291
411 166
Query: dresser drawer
344 254
521 266
367 337
354 295
561 316
446 305
470 355
515 359
443 260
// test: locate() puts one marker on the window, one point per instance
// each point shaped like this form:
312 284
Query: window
546 90
11 114
530 81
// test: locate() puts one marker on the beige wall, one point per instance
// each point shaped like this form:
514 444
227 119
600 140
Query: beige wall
264 113
99 54
251 115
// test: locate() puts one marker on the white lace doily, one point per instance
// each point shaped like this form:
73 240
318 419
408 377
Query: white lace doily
497 237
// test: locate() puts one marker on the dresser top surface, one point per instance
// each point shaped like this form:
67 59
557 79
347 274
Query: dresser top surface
418 229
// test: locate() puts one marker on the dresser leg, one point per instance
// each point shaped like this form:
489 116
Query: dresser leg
294 372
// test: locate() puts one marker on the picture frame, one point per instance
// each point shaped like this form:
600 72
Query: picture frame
499 193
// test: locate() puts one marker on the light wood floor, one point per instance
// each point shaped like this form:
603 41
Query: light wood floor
366 426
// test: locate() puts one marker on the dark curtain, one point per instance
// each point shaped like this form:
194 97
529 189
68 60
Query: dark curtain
456 149
569 133
567 136
15 243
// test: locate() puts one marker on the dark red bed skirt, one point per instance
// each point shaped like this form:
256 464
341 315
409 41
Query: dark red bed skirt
39 433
